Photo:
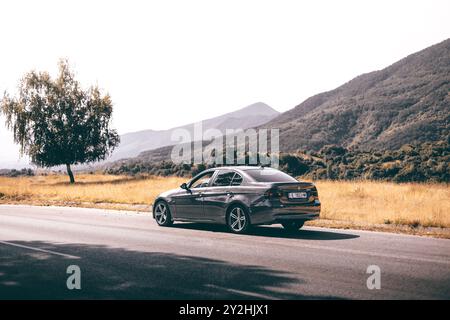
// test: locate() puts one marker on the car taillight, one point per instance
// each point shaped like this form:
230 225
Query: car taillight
273 193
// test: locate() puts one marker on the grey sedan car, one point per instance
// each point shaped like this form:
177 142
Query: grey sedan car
240 197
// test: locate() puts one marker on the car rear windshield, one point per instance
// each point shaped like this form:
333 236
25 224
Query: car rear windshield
269 175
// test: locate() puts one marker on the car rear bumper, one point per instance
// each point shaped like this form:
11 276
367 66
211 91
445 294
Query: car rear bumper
277 213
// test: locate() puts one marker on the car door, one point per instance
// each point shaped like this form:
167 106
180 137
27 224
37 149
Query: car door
217 196
189 203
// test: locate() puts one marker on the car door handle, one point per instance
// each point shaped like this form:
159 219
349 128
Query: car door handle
230 194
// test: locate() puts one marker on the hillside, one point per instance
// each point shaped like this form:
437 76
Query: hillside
424 162
251 116
391 124
407 102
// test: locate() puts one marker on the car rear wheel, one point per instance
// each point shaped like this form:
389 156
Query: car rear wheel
238 220
162 214
292 226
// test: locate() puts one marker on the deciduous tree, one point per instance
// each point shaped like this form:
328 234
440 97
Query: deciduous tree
56 122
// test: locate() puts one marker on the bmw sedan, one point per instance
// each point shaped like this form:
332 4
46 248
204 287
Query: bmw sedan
240 197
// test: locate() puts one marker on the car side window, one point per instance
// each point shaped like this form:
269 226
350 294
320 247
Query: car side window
202 181
223 179
237 180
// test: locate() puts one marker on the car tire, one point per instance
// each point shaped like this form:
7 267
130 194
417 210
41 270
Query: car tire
161 212
292 226
238 220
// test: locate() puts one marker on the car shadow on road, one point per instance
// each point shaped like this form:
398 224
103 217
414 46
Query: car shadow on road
274 232
118 273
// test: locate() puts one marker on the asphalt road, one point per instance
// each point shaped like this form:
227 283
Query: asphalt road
126 255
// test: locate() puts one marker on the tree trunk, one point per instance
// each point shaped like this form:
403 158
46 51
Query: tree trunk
70 173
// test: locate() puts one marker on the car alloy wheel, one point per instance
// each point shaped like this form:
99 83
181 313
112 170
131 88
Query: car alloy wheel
162 214
238 220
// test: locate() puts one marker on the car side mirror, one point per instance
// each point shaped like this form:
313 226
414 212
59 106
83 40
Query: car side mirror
184 186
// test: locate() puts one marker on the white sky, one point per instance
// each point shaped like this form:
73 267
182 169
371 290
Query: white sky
168 63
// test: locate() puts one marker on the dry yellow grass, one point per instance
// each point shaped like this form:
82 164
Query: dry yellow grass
410 204
95 189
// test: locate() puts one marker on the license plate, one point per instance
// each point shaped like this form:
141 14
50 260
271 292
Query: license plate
298 195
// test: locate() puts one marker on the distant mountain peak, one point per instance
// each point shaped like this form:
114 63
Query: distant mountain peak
260 108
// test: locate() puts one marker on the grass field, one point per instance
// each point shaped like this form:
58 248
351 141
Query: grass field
95 189
413 205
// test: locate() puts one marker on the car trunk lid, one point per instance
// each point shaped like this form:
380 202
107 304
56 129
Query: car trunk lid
295 192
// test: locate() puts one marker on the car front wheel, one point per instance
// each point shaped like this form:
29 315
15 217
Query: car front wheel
162 214
238 220
292 226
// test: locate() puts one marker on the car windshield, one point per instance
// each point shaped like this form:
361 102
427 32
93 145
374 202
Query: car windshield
269 175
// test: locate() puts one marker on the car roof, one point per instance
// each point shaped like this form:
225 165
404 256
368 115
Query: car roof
242 168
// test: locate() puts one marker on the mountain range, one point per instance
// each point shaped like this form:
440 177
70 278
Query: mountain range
407 102
132 144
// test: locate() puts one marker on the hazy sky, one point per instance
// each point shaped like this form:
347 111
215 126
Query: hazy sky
167 63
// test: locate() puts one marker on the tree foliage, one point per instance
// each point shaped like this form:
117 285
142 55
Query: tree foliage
56 122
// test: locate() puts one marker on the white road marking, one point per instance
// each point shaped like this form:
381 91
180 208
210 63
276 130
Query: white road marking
245 293
39 250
